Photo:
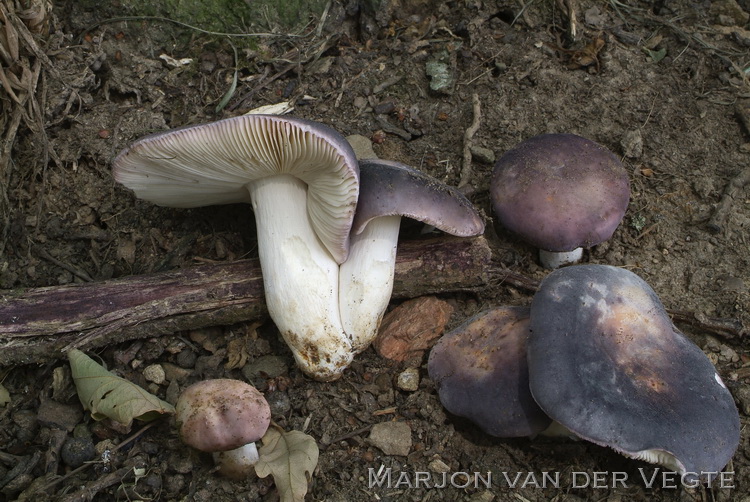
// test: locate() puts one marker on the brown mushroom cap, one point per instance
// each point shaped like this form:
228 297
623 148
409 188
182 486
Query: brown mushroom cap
481 373
221 415
560 192
393 189
606 362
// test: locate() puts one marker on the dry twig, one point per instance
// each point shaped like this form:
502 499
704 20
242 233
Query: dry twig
466 169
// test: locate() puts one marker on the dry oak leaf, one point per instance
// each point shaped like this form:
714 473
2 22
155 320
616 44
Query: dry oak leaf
291 457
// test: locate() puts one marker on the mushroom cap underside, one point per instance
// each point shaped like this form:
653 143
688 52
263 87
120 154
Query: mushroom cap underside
212 164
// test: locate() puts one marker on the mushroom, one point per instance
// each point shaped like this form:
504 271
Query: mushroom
302 180
390 190
606 362
480 371
560 193
224 417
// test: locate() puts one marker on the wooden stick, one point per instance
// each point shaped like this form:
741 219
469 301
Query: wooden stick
38 325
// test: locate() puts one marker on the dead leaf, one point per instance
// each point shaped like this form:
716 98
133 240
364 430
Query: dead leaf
106 395
290 457
236 354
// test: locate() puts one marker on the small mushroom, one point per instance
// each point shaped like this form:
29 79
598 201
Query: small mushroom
606 362
302 180
224 417
481 373
390 190
560 193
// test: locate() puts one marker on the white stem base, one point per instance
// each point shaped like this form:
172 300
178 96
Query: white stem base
366 280
552 260
238 463
300 277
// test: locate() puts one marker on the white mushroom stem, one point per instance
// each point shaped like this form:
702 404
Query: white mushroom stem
552 260
366 279
300 277
238 463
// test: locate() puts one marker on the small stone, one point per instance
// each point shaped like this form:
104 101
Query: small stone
442 78
175 373
632 144
411 328
78 450
263 368
727 353
362 146
392 438
408 380
483 155
63 416
437 465
155 373
728 13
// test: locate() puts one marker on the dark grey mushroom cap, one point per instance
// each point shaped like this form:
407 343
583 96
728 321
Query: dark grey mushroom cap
560 192
481 373
212 163
606 362
393 189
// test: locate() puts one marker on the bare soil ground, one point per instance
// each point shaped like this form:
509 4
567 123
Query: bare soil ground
662 84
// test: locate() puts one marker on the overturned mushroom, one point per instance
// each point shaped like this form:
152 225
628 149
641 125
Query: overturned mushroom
606 362
224 417
302 180
390 190
481 373
560 193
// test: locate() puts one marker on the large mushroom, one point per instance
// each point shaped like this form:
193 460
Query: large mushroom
560 193
302 180
606 362
390 190
481 373
224 417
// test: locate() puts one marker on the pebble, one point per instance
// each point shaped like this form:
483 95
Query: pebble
437 465
263 368
411 328
155 373
63 416
483 155
632 144
392 438
77 450
408 380
362 146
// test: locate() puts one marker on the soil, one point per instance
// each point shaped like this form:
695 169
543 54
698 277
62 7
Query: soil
662 84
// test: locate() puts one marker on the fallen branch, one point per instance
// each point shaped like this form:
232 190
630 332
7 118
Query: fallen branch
40 324
724 327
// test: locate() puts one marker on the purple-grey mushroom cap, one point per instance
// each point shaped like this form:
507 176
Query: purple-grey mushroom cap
606 362
481 373
560 192
390 188
212 163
